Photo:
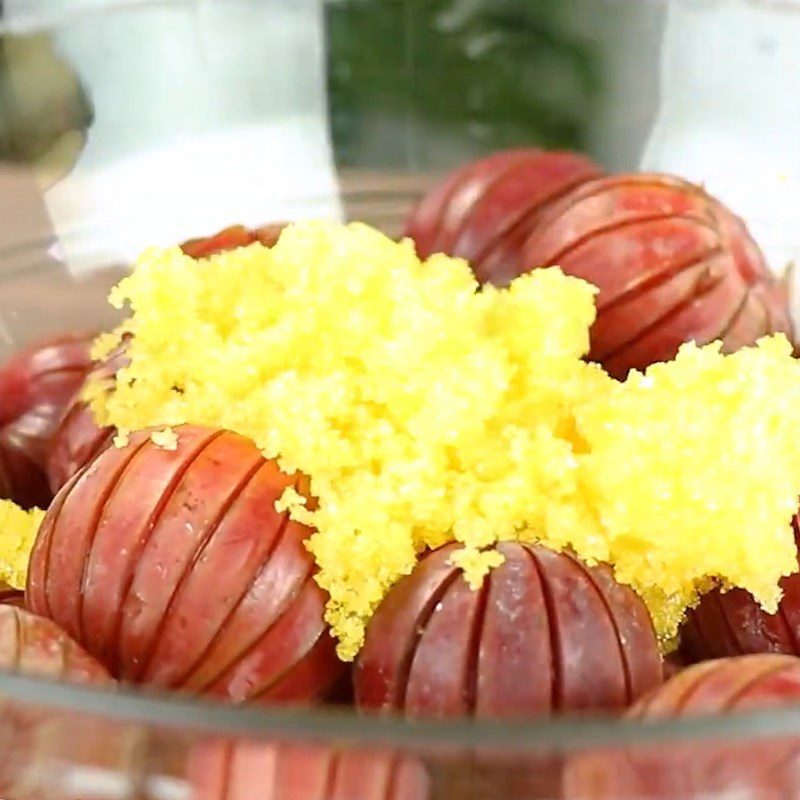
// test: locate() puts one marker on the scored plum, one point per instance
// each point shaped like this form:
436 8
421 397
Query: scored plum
35 387
544 634
724 686
47 372
35 646
671 263
707 767
229 770
483 210
173 568
32 734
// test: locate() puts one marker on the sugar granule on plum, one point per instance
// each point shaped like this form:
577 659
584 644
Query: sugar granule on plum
424 410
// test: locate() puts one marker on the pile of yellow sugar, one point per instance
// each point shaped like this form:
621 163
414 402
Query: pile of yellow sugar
18 531
426 410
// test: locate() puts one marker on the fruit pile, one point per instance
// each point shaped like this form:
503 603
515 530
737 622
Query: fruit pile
315 464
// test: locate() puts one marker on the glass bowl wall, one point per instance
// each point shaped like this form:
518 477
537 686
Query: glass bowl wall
124 124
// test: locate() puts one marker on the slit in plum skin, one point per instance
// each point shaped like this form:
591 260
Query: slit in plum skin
694 294
100 441
280 612
447 244
613 183
742 692
518 226
656 279
36 598
683 700
466 219
623 656
152 523
552 629
46 542
785 639
620 225
735 317
693 641
319 643
733 639
473 652
284 524
199 549
94 523
700 618
100 445
392 786
420 624
65 370
331 775
791 634
288 603
66 649
321 634
227 769
432 229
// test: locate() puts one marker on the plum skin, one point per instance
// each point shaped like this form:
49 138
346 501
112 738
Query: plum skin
671 262
174 569
544 634
707 767
79 439
483 210
35 735
35 646
242 770
36 385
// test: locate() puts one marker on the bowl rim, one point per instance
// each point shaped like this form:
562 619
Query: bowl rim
200 716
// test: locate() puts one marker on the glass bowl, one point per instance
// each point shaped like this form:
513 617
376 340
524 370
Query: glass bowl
125 123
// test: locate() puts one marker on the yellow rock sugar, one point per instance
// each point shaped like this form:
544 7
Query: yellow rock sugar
18 531
425 410
694 469
166 439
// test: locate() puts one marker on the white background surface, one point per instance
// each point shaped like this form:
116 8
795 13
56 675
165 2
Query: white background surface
206 114
730 112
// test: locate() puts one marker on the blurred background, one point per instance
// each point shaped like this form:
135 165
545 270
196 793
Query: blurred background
448 79
173 98
125 123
